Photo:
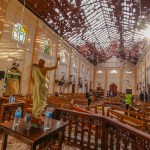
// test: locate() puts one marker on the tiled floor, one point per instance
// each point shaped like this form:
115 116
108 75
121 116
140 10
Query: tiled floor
14 144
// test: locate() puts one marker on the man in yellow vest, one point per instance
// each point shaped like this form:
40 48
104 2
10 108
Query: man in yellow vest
129 99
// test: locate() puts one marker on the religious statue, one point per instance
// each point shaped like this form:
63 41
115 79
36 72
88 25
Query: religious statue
40 89
12 80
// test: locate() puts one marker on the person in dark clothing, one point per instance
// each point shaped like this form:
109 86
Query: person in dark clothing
146 96
88 96
142 96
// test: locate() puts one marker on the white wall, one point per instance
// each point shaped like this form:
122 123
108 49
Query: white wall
11 49
106 78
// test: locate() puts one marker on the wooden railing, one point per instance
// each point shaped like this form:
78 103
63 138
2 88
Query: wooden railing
95 132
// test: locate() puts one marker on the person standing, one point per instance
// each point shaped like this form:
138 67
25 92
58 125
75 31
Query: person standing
142 96
128 99
108 94
111 93
146 96
88 96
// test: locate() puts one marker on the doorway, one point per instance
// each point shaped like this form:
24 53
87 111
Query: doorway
113 88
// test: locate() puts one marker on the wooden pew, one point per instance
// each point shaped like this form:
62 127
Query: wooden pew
96 108
7 110
28 102
57 104
69 98
127 119
146 112
4 99
75 108
79 101
132 114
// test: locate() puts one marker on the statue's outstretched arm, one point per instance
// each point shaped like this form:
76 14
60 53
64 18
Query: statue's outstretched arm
52 68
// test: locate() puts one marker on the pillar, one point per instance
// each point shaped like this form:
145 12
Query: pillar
106 81
121 79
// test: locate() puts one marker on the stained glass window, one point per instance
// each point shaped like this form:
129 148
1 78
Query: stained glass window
88 70
75 63
19 33
82 68
63 56
47 48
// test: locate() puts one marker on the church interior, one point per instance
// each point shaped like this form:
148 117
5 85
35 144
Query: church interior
75 74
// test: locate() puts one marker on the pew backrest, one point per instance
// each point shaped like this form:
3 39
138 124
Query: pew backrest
127 119
7 110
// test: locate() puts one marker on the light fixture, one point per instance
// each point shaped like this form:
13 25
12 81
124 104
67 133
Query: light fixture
113 71
99 71
129 71
146 32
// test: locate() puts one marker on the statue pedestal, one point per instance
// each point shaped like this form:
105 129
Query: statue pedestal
37 123
37 126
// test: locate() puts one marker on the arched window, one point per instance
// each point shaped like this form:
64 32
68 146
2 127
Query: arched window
113 71
75 63
19 33
63 56
47 48
83 69
88 70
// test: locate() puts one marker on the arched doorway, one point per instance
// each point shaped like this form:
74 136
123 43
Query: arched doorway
113 88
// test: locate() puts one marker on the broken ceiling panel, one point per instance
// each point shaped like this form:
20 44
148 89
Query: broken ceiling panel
98 29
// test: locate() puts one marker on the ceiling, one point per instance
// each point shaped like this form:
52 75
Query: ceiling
98 29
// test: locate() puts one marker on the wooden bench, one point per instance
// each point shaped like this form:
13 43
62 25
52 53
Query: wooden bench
28 102
63 99
75 108
79 101
96 108
4 99
146 112
126 119
7 110
57 104
132 114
